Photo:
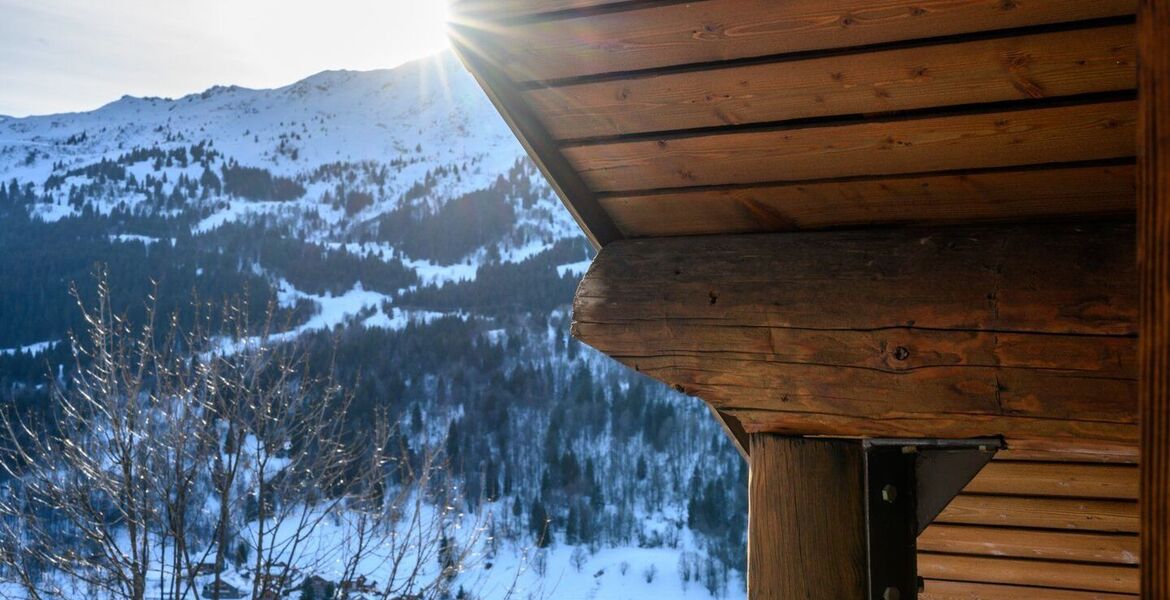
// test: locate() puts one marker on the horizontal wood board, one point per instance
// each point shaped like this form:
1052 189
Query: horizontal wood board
873 148
1035 66
665 34
955 198
965 590
725 116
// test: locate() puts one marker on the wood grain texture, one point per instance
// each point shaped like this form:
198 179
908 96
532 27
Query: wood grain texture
1030 543
1154 266
1047 479
1014 68
717 30
1098 578
1112 516
1124 454
871 148
908 200
806 525
964 590
1017 430
1025 331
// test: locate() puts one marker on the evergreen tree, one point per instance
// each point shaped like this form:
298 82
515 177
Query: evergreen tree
416 422
539 524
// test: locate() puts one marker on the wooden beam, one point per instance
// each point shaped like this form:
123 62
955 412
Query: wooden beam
1154 261
1044 65
806 519
1025 332
1099 131
576 196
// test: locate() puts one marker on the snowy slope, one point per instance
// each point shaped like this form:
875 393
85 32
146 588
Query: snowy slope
422 136
426 124
427 114
339 116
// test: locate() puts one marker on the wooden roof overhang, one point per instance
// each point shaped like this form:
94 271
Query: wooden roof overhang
869 218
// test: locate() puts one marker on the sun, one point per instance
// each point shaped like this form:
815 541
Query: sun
422 25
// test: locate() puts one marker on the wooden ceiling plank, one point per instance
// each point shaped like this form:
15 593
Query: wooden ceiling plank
1115 516
720 30
1072 133
907 200
1032 66
1097 578
1030 543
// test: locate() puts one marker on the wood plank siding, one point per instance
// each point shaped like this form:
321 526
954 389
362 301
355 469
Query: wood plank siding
1026 529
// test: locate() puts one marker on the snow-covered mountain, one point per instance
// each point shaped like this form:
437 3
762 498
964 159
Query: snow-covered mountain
354 146
391 213
334 116
428 114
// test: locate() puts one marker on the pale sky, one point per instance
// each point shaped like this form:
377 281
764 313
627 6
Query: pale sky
74 55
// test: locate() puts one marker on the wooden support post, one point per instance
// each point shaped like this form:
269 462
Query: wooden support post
806 520
1154 266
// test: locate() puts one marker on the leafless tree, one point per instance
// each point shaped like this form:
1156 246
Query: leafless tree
173 450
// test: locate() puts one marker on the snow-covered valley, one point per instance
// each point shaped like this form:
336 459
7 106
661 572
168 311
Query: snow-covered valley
393 223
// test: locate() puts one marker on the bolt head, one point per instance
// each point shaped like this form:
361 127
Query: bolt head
890 493
891 593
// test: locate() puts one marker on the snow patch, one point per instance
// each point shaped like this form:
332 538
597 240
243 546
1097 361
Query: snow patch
576 269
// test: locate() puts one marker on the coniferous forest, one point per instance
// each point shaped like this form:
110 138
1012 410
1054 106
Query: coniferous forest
430 277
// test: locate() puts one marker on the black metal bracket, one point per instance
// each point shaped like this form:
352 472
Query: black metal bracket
907 484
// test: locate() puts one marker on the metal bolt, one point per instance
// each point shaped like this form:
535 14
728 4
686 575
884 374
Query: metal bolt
901 353
889 494
891 593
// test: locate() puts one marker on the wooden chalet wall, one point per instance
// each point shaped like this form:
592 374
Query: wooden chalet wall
1031 528
909 217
